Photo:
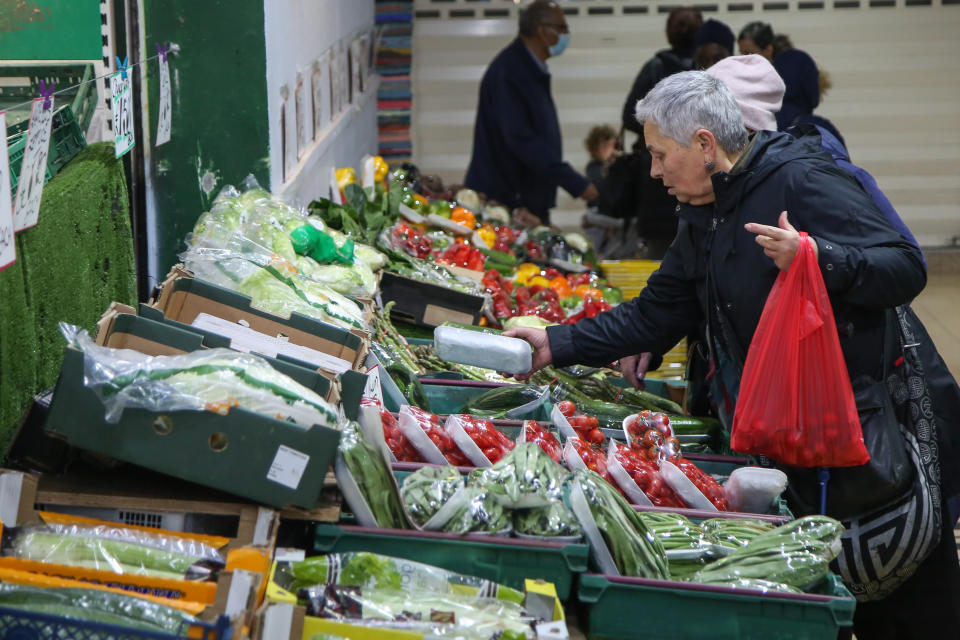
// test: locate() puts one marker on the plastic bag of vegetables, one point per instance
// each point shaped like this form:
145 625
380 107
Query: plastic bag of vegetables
427 489
114 548
474 511
366 481
525 477
553 522
94 605
371 570
797 554
470 617
209 380
620 542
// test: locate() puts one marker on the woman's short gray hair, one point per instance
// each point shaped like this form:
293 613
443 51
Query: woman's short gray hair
684 102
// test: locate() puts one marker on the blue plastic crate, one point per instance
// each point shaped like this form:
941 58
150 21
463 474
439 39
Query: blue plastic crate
16 624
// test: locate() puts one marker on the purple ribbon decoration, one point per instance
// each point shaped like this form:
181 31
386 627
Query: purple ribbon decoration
46 92
162 51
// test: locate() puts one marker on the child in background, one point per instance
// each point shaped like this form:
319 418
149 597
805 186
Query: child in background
601 230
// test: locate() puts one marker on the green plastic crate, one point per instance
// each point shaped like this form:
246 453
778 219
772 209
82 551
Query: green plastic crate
66 141
508 561
674 610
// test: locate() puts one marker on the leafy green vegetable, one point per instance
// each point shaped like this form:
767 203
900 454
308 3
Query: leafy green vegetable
427 489
373 477
525 477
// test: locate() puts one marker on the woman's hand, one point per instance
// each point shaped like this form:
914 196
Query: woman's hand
541 348
634 368
779 243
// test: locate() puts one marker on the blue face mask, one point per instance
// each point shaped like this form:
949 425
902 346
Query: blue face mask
561 45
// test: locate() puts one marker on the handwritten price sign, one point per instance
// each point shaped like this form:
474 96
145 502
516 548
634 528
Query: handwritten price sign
8 252
163 121
122 114
33 170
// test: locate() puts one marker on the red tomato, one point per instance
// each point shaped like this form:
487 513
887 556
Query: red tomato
567 408
595 436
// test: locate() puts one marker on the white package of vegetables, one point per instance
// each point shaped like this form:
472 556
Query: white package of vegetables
209 380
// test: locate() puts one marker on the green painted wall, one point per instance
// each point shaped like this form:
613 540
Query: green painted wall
220 125
50 30
70 266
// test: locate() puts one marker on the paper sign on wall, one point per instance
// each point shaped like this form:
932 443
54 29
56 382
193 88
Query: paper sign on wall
303 116
120 97
33 169
8 250
321 94
165 115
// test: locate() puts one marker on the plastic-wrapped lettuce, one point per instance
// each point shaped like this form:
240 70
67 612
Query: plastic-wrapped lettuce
370 257
273 284
371 570
209 380
427 489
354 280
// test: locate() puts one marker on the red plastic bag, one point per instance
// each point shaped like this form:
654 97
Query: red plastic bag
796 404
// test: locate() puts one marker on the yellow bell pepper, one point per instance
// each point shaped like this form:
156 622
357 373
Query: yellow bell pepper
525 271
489 237
538 280
380 168
345 176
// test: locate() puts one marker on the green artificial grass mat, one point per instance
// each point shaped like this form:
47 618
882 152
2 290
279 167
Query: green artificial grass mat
69 267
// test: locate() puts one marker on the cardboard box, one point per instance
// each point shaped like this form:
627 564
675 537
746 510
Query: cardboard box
182 298
240 453
428 304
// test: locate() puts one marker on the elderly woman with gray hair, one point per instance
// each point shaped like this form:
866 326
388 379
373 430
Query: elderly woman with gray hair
742 200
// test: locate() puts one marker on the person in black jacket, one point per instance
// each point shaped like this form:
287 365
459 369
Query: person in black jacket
655 220
517 148
741 202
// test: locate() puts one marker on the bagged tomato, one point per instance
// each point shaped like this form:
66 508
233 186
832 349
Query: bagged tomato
424 431
478 439
402 449
533 432
644 473
579 455
636 425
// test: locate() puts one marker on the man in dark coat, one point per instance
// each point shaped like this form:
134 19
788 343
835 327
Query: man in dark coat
517 147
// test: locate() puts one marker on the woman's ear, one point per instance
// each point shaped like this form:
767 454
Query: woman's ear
705 141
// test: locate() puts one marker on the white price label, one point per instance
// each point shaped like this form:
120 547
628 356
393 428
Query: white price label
120 97
288 467
33 169
165 115
8 250
373 389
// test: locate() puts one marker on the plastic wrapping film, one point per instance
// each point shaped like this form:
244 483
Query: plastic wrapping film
427 489
526 477
479 440
208 380
367 483
797 554
422 429
753 489
480 349
734 533
95 605
371 570
440 615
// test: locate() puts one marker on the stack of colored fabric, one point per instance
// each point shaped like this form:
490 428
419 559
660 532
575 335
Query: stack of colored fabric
394 98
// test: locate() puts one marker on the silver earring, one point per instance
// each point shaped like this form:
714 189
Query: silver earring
709 165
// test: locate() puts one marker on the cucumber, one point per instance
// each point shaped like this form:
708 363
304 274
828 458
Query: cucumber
500 400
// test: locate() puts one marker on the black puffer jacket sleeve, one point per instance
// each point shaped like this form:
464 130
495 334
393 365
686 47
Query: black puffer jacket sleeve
865 262
665 311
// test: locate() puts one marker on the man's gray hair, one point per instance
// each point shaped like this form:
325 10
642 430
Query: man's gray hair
684 102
